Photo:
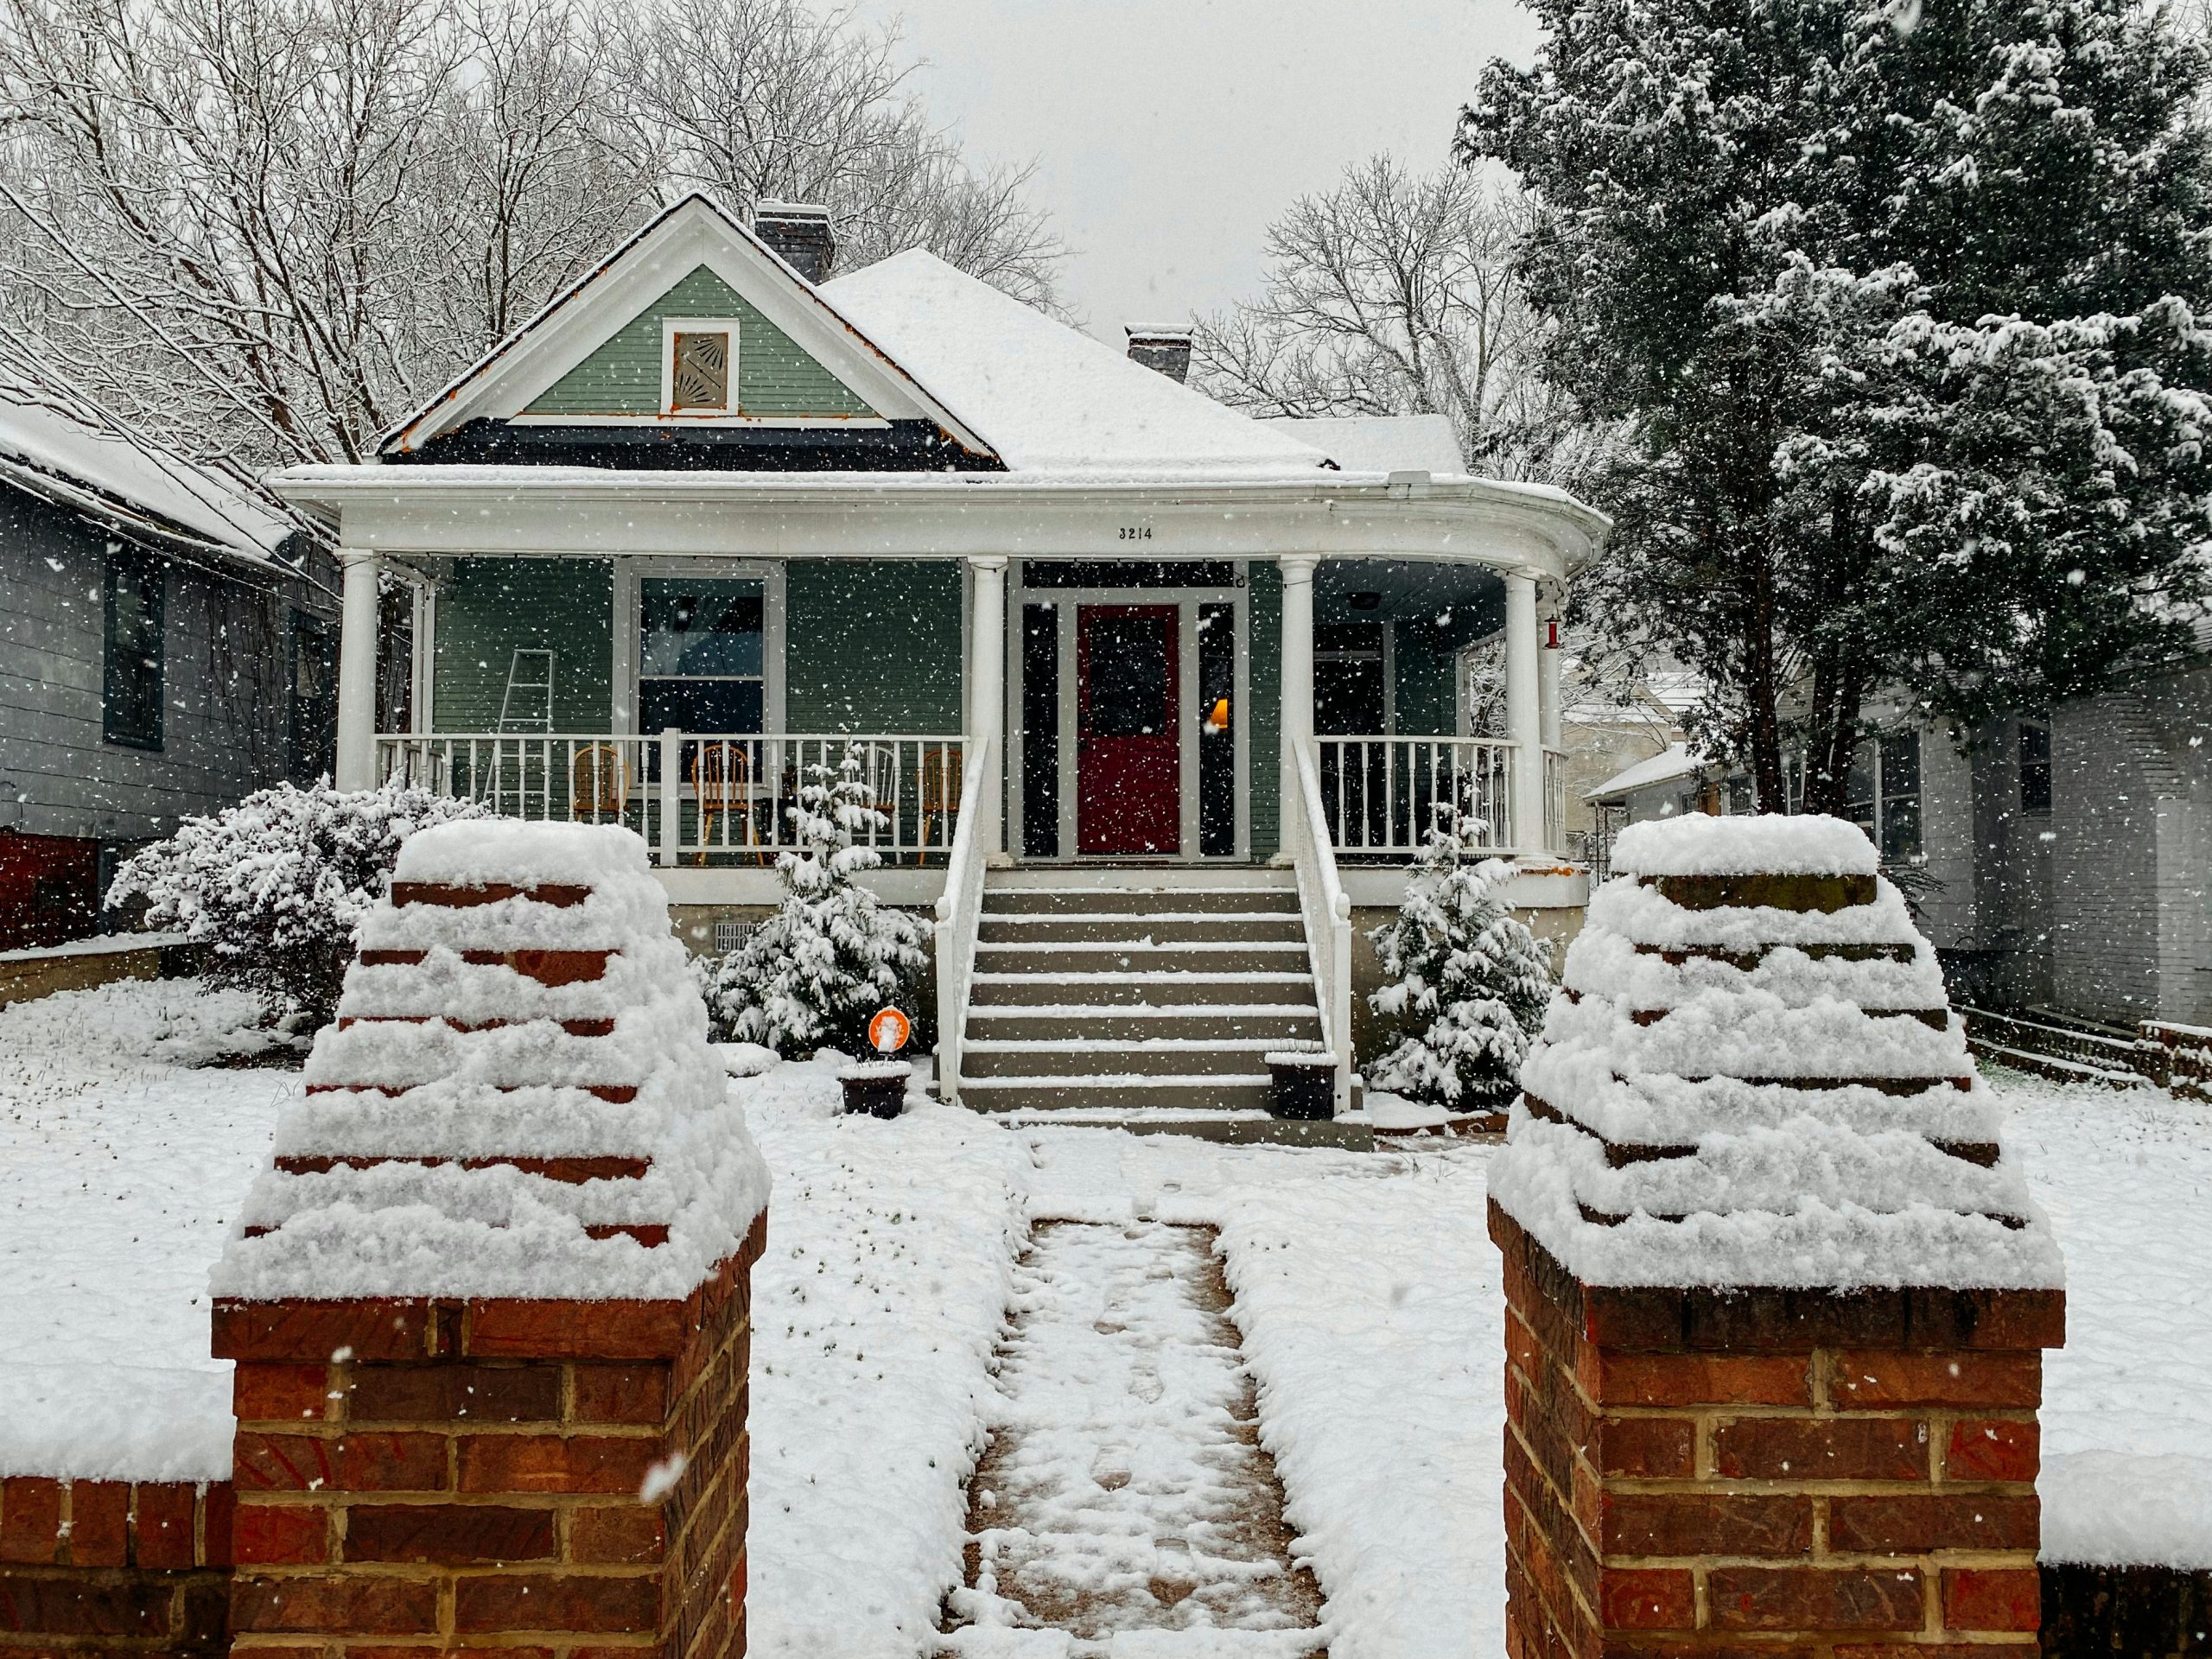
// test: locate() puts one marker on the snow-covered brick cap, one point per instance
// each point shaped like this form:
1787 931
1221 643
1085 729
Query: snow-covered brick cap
1695 844
518 1098
506 852
1750 1075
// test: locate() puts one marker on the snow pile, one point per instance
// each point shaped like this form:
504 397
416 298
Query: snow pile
1735 1086
485 1050
1696 844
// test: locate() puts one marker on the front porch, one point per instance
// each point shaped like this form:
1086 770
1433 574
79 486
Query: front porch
1147 712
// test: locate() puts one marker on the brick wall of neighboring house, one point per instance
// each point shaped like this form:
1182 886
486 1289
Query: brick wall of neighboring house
566 1476
1770 1471
109 1567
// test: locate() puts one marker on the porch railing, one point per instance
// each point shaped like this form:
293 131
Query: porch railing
1326 907
1378 795
700 798
1554 800
959 913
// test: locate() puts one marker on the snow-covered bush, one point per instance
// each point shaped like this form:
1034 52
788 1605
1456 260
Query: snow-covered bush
815 971
277 884
1469 981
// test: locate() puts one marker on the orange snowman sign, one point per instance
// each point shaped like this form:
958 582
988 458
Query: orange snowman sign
888 1031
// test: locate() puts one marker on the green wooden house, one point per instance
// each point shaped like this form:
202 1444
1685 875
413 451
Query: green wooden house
1117 659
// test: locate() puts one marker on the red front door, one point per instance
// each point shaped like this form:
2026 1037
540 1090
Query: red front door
1128 760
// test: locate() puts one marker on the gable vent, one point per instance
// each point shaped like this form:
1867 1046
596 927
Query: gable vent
799 231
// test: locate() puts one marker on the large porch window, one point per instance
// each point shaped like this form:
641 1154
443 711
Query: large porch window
702 657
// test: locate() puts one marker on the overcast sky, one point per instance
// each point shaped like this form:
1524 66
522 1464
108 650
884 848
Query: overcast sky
1167 133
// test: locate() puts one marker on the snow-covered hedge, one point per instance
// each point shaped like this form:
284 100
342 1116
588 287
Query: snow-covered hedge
277 884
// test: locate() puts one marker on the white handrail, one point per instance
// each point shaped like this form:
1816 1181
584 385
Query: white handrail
960 909
1327 912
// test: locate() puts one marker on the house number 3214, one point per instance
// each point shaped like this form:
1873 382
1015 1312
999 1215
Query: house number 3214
1136 532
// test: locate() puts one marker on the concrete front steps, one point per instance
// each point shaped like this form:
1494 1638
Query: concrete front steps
1147 998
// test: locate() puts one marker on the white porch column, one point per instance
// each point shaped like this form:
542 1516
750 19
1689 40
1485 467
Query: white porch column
1523 721
1298 646
356 672
987 677
1297 666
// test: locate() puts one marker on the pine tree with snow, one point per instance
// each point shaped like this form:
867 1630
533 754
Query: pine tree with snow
1903 308
1469 981
816 972
275 885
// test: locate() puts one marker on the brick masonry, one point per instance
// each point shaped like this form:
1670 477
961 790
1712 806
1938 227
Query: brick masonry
426 1475
1812 1475
104 1566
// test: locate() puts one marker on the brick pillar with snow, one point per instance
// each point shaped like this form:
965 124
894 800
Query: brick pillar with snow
489 1304
1776 1300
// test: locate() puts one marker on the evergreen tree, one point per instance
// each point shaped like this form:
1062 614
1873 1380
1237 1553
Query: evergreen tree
815 973
1899 302
1470 980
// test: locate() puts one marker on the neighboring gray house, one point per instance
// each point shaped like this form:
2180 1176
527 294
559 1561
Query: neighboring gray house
2063 860
167 646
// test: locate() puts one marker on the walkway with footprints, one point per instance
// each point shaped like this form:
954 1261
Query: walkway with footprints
1125 1509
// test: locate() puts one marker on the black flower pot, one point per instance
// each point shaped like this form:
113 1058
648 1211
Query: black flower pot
879 1089
1305 1085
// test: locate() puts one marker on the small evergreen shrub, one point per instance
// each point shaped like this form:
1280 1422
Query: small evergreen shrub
816 972
277 884
1468 981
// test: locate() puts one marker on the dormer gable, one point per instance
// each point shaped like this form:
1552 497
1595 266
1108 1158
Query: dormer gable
692 345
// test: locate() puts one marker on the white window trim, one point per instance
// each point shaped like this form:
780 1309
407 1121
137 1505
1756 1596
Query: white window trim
770 574
671 326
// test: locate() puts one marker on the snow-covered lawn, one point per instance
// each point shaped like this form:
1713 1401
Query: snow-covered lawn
120 1169
1366 1294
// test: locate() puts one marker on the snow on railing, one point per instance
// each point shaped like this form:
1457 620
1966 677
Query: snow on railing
960 908
702 796
1326 909
1378 795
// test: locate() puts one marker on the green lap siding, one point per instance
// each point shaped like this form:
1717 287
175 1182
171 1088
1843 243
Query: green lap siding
873 647
491 607
1264 596
775 376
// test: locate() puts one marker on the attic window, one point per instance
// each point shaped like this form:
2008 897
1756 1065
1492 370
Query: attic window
699 369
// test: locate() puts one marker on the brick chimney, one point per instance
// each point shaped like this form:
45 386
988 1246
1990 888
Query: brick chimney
800 232
1167 350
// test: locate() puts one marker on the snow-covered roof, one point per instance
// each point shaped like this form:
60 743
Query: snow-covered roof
127 479
1674 761
1382 443
1045 396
